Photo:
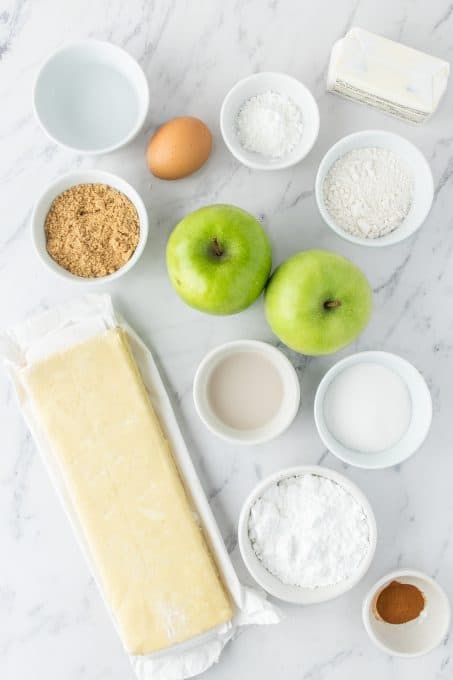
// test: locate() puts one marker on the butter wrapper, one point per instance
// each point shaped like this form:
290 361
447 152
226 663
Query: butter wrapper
60 328
387 75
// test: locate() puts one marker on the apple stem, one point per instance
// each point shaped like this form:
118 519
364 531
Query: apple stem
332 304
216 247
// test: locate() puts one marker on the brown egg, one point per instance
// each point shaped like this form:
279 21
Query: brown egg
179 148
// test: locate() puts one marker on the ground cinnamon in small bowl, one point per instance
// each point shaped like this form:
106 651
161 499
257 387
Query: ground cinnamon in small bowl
399 603
92 230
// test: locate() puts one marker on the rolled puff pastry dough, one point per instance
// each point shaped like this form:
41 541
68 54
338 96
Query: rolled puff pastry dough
150 556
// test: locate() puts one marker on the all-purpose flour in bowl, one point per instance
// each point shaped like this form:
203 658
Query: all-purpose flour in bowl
309 531
368 192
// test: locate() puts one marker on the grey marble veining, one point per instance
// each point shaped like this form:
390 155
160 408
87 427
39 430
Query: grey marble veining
52 622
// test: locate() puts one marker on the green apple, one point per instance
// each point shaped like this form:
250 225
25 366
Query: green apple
317 302
219 259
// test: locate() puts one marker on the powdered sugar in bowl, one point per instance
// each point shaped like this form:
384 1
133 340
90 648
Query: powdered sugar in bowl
393 203
284 113
336 514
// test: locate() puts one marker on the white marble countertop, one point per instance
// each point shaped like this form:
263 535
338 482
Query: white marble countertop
52 621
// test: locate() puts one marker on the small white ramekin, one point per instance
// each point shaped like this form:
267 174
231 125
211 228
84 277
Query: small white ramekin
42 207
413 158
291 393
419 425
413 638
257 84
71 63
271 583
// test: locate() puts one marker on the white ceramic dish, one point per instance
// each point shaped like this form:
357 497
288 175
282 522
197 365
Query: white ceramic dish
270 583
413 158
415 637
291 393
257 84
91 97
420 418
42 207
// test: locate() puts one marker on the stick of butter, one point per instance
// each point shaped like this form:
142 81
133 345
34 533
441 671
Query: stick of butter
389 76
148 551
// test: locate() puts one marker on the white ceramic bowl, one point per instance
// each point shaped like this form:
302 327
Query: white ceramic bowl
91 97
270 583
415 637
257 84
420 418
42 207
415 161
291 393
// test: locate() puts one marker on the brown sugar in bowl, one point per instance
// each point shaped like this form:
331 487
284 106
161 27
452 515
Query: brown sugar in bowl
84 177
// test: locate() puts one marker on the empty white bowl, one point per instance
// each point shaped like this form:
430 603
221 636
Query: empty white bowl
271 583
257 84
413 158
42 207
91 97
291 392
421 412
416 637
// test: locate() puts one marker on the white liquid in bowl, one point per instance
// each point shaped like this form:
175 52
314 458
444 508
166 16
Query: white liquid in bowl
245 390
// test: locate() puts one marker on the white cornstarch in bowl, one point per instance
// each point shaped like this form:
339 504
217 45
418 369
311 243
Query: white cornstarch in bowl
309 531
269 124
368 192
